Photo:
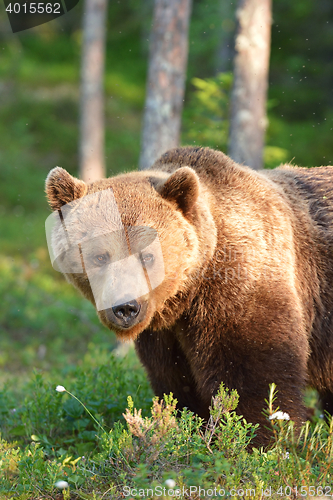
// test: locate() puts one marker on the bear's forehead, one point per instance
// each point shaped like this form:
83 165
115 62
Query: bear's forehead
113 204
130 195
124 184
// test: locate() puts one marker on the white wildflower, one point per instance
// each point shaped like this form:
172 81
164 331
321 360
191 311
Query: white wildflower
61 485
279 415
170 483
60 388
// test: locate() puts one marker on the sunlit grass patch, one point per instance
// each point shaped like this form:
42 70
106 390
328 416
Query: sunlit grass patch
148 452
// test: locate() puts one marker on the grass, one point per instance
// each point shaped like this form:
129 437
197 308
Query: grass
140 454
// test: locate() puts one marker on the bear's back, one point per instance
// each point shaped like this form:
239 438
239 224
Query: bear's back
314 186
308 190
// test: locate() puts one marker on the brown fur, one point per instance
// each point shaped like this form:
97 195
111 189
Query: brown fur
247 297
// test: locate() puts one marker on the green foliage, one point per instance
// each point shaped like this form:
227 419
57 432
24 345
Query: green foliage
143 452
43 321
58 421
206 123
206 118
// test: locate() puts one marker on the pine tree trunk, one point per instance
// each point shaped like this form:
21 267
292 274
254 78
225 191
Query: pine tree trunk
248 103
91 147
166 79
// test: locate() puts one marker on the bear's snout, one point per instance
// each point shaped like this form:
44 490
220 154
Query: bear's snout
127 312
126 315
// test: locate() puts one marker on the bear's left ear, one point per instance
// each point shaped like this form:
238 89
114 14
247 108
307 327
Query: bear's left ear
61 188
182 187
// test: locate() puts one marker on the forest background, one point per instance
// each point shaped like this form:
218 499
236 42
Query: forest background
45 327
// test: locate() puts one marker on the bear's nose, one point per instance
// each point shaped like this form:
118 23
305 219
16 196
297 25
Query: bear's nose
127 312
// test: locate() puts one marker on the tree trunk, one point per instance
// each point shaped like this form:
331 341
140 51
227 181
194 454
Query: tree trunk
248 102
166 79
91 147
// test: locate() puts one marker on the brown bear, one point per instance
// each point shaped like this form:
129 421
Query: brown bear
243 283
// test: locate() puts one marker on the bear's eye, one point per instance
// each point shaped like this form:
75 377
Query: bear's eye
101 260
147 259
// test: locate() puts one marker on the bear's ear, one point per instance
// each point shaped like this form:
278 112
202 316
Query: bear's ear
182 187
61 188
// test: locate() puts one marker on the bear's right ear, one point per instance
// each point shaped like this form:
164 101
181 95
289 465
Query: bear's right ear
182 187
61 188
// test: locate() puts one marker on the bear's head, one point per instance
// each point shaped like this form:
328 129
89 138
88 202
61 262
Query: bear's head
134 245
